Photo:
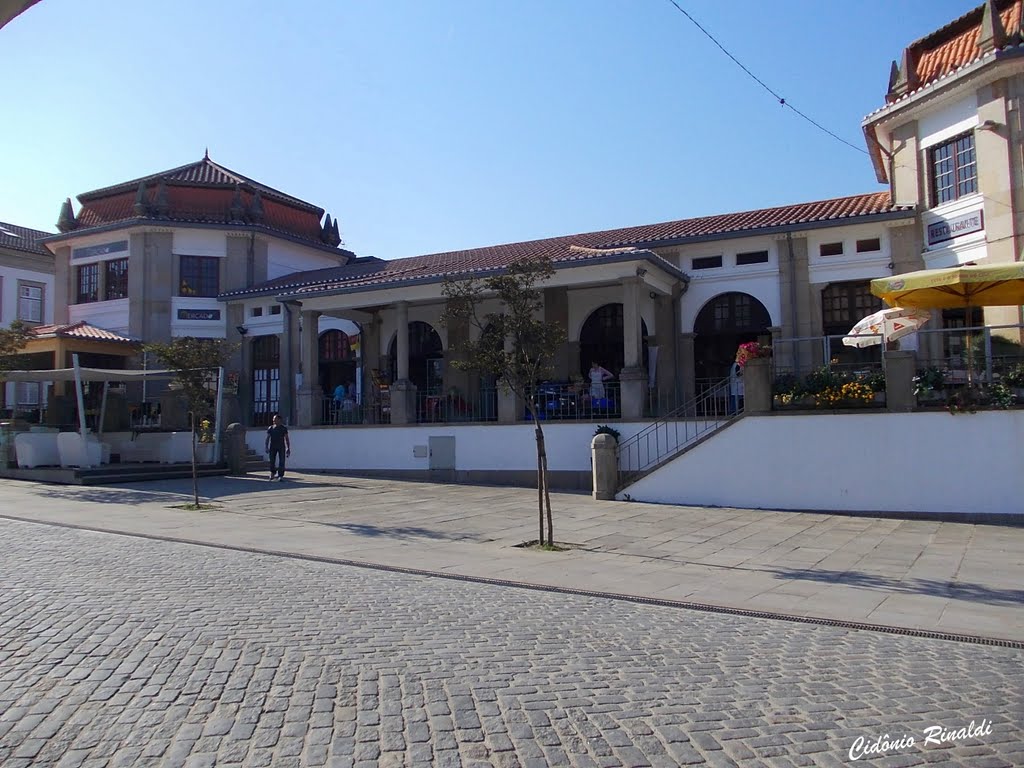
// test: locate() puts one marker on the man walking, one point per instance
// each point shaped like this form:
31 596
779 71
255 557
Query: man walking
278 446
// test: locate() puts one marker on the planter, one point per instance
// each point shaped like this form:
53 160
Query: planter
205 453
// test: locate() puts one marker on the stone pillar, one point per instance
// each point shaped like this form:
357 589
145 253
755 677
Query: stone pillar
310 397
632 377
687 366
402 341
234 449
289 362
510 405
757 386
403 391
899 381
606 466
369 356
556 312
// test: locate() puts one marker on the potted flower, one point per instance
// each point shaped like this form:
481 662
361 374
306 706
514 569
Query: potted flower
752 350
206 447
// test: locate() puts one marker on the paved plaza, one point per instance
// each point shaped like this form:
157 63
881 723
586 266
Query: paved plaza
144 650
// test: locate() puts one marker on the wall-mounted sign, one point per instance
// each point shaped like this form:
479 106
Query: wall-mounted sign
199 314
948 229
102 249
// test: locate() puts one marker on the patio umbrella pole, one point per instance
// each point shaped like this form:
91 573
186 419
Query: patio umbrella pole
103 408
78 393
217 417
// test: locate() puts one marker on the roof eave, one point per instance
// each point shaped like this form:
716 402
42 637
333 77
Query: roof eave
780 229
147 222
635 255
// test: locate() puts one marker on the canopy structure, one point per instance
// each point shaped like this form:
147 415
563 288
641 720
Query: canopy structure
85 374
107 375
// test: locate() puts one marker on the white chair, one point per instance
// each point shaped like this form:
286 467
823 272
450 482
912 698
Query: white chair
36 449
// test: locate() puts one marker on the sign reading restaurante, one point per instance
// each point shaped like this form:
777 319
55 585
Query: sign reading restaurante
948 229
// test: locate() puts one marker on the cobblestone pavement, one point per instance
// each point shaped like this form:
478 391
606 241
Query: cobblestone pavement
117 651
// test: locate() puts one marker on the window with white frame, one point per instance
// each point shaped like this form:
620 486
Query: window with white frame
954 169
27 394
30 302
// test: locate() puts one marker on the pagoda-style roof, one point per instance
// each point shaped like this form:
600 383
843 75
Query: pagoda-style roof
203 193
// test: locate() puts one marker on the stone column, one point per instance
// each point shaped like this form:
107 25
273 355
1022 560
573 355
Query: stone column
757 386
632 378
289 362
403 391
899 381
309 397
369 355
687 366
606 466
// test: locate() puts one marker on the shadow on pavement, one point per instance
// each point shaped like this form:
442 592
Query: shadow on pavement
401 532
976 593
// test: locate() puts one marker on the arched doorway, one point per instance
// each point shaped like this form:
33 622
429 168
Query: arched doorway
426 358
337 361
601 339
266 379
722 325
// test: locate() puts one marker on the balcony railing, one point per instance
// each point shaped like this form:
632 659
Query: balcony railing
575 402
455 407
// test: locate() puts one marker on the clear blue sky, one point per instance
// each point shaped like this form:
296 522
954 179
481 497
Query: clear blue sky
435 125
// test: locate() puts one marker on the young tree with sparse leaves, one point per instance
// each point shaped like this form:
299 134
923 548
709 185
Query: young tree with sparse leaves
514 343
194 362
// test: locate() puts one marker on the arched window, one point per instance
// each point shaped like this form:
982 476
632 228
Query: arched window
601 340
335 347
426 357
722 324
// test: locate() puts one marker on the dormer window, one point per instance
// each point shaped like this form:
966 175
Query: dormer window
954 169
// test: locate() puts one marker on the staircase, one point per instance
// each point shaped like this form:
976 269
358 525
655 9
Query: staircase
111 474
256 462
675 433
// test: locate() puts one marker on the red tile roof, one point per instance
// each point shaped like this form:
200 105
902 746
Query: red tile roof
956 44
202 173
15 238
588 246
80 330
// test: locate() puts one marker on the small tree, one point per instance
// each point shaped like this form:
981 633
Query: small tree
195 363
12 340
514 344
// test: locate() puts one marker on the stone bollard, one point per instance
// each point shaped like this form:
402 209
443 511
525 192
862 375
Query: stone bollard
234 449
603 449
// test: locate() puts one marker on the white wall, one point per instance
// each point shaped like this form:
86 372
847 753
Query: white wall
283 258
476 446
913 462
110 315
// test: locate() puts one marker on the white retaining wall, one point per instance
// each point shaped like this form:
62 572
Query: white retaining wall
912 462
477 447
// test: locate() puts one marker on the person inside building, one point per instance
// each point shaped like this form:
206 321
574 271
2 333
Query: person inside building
598 376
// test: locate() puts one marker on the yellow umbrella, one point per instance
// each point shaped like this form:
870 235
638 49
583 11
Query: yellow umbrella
955 287
1000 285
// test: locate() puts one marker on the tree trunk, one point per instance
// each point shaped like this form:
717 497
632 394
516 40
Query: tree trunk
540 478
543 453
195 474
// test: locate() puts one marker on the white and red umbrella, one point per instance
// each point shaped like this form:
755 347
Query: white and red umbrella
886 325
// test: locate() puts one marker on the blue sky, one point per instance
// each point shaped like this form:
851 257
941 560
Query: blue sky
432 126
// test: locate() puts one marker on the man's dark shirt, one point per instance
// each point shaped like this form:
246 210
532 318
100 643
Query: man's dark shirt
277 434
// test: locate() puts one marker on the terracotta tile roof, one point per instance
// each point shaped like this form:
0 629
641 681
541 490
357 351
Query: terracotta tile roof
956 44
579 248
202 173
79 330
15 238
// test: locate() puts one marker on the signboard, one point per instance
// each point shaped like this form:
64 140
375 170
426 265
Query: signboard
948 229
199 314
121 246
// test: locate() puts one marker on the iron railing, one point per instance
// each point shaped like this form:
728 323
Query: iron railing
709 411
575 402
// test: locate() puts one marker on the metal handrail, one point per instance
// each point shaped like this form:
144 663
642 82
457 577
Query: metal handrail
706 413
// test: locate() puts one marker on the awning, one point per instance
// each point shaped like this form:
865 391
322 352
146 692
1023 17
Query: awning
88 374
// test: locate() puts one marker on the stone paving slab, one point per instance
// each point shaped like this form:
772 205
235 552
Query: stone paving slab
913 574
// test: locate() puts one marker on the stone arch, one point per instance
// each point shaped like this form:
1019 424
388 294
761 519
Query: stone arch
601 339
426 357
723 323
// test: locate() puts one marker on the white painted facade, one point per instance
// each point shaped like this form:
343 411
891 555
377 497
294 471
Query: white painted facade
110 315
884 462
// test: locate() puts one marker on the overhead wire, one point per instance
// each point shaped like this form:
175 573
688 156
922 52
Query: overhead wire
782 101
